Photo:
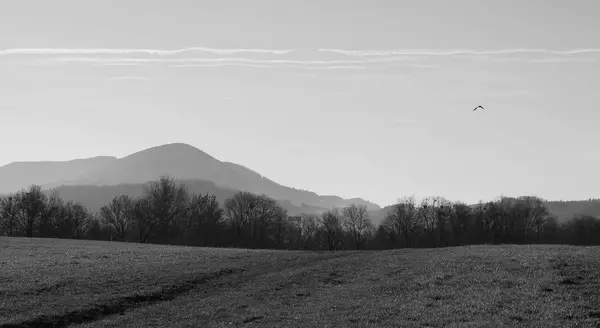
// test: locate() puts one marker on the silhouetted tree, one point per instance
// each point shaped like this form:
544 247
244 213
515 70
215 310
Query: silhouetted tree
262 214
356 221
168 203
443 210
205 216
237 211
428 213
307 228
119 214
9 216
332 224
32 204
77 219
460 222
144 219
403 219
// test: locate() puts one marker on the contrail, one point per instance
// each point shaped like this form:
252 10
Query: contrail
157 52
452 52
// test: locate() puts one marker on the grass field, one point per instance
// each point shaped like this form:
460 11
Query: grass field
60 283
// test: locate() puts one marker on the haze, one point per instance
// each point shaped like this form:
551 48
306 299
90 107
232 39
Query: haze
373 99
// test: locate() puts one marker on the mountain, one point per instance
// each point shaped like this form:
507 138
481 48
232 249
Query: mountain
178 160
19 175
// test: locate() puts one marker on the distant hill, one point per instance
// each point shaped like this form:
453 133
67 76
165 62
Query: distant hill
94 197
180 161
19 175
563 210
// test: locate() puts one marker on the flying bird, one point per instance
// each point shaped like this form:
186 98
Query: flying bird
478 107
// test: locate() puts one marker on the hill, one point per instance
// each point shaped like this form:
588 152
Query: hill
565 210
178 160
94 197
562 210
19 175
110 284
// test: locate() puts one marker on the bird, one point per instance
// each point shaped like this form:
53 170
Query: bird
478 107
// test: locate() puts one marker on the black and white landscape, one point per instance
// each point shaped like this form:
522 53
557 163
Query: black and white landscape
267 163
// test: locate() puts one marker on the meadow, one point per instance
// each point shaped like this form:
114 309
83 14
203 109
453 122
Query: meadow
60 283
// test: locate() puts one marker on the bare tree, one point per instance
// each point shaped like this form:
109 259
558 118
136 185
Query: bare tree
403 218
9 216
237 211
428 214
118 213
204 216
332 224
77 219
280 226
460 221
143 218
263 213
32 208
357 222
536 216
443 210
50 215
307 227
168 204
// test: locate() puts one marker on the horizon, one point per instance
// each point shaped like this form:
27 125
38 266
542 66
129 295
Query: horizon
418 199
374 101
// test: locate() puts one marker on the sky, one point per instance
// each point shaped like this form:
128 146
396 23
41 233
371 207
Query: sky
370 99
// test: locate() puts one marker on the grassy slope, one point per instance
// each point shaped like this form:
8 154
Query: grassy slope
54 277
478 286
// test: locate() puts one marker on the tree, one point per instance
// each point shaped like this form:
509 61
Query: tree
237 211
332 225
460 221
168 204
443 210
143 218
357 222
204 217
307 227
280 226
428 214
9 216
403 218
118 213
538 213
263 213
77 219
32 208
49 217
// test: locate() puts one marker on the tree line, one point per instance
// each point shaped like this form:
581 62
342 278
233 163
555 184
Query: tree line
166 213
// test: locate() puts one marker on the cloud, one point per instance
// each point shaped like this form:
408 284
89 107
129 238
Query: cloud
221 65
319 59
134 78
193 60
405 121
452 52
271 66
563 60
119 64
158 52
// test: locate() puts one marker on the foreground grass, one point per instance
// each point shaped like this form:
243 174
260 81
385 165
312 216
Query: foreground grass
42 278
477 286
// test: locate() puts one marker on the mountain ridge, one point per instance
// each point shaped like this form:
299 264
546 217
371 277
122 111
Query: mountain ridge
178 160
